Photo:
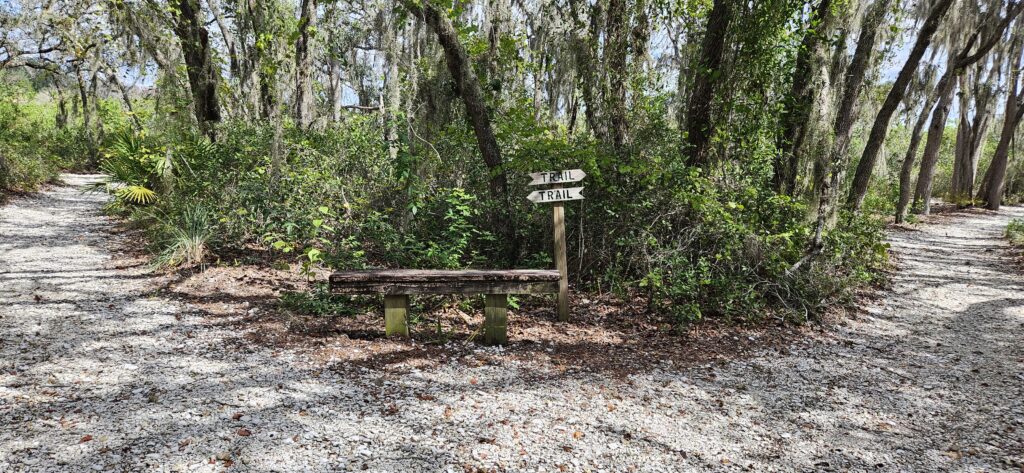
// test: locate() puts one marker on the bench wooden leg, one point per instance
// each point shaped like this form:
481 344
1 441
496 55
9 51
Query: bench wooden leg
396 313
496 319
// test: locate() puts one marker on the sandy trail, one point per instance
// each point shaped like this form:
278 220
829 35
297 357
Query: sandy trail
100 372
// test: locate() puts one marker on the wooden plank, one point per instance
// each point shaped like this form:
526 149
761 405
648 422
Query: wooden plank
556 195
558 210
396 315
496 319
556 177
446 287
412 281
432 275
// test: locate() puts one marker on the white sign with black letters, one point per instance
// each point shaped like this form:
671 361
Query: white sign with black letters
557 177
556 195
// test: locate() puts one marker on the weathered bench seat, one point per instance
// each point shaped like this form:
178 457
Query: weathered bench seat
398 284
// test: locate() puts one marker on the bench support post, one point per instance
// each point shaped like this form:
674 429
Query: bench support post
496 319
396 313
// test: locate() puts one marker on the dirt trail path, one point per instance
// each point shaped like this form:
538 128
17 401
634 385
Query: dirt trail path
100 372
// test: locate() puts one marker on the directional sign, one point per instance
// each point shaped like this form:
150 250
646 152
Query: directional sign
557 177
556 195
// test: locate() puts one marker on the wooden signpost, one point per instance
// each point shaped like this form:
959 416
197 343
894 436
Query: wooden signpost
557 195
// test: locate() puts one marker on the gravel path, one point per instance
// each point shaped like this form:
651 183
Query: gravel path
99 372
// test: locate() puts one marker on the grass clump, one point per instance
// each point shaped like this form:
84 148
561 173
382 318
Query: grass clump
1015 232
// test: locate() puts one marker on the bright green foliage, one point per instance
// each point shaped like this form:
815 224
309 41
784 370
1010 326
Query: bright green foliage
694 242
32 150
1015 232
135 168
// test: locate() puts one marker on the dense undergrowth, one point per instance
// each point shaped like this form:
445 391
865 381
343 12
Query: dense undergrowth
32 148
1015 232
694 245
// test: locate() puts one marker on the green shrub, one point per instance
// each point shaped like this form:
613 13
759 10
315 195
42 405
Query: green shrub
319 301
1015 232
183 238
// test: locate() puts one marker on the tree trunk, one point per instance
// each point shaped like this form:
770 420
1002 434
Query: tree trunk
835 166
699 127
83 95
908 161
392 93
61 118
112 77
497 18
229 39
992 187
262 60
944 94
94 83
304 66
970 142
476 110
991 191
585 49
194 40
469 89
616 51
798 105
963 138
880 128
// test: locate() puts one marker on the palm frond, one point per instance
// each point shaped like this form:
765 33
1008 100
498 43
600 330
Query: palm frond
136 195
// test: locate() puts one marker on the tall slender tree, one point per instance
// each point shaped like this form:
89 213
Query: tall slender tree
880 127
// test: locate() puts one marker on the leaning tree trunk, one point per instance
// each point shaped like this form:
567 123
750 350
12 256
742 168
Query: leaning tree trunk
699 126
880 128
798 106
202 74
468 87
835 166
995 178
304 66
906 171
944 92
991 191
986 38
125 97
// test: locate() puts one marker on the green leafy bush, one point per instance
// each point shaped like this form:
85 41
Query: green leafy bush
696 245
1015 232
25 160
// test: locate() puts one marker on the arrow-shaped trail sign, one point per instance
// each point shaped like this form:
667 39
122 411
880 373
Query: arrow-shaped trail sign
556 195
557 177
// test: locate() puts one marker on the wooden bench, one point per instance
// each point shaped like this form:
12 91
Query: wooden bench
398 284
